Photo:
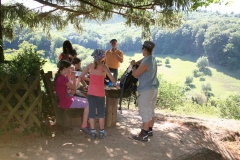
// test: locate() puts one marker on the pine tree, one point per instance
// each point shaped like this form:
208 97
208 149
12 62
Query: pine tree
142 14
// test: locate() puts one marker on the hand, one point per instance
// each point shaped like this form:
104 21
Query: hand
138 63
79 79
73 75
133 62
117 88
113 49
85 87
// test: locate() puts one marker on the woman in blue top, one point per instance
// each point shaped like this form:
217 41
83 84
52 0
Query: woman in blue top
147 89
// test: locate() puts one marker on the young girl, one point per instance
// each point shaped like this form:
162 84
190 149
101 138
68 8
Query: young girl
96 91
66 100
68 52
76 62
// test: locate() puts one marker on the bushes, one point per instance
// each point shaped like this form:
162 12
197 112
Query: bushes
230 107
188 80
26 62
169 95
202 62
196 97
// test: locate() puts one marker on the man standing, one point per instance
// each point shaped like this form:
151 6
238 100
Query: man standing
113 58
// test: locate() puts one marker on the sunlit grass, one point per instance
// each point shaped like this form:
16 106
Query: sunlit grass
49 67
181 67
222 84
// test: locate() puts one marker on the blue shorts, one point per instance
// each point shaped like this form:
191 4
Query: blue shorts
96 102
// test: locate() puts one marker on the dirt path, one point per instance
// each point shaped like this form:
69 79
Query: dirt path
174 137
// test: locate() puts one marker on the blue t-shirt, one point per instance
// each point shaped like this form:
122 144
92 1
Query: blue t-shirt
148 80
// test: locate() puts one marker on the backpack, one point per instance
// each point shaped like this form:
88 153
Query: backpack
127 81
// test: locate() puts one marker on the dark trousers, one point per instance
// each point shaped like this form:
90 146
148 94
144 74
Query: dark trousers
115 73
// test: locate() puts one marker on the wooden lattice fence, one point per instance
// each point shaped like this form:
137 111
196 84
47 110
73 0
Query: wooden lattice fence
20 100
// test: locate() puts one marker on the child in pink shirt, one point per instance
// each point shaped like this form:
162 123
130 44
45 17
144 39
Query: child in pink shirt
65 90
96 91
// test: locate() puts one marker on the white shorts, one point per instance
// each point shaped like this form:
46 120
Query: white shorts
147 104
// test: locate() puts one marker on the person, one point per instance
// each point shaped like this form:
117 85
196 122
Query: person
68 52
65 96
76 62
147 89
113 58
96 91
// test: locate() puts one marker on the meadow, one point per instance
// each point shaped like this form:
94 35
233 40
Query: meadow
223 81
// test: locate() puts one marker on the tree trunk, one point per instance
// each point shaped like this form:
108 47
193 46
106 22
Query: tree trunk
1 36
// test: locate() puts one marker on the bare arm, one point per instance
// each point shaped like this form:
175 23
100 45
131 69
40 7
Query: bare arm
119 57
82 76
72 84
140 70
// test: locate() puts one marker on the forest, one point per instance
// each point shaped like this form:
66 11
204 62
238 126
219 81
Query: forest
210 34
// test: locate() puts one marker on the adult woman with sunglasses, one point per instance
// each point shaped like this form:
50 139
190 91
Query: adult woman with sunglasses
147 89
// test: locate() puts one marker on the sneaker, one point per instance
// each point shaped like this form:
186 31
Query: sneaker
142 136
93 134
102 134
150 133
85 130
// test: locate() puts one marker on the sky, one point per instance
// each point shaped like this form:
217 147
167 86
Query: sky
233 6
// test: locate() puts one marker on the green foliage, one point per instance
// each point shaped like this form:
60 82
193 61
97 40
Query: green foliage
186 88
167 61
202 78
190 108
197 73
206 87
230 106
169 95
202 62
27 61
189 80
196 97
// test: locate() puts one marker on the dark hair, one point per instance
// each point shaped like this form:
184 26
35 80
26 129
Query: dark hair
67 44
150 50
76 60
61 65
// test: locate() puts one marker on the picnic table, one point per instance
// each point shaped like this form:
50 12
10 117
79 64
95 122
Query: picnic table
112 101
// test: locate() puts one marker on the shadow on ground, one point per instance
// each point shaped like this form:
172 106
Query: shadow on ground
171 140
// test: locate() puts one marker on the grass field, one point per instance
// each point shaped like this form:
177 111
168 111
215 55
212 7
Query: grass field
223 81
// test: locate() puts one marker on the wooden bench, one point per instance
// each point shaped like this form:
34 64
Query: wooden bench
64 117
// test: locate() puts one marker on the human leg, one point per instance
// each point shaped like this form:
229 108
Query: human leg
80 102
115 72
92 110
146 110
92 115
153 106
101 115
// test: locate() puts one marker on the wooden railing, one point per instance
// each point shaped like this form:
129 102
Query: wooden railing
20 99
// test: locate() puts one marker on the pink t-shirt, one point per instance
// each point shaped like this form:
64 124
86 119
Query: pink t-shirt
96 83
65 99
